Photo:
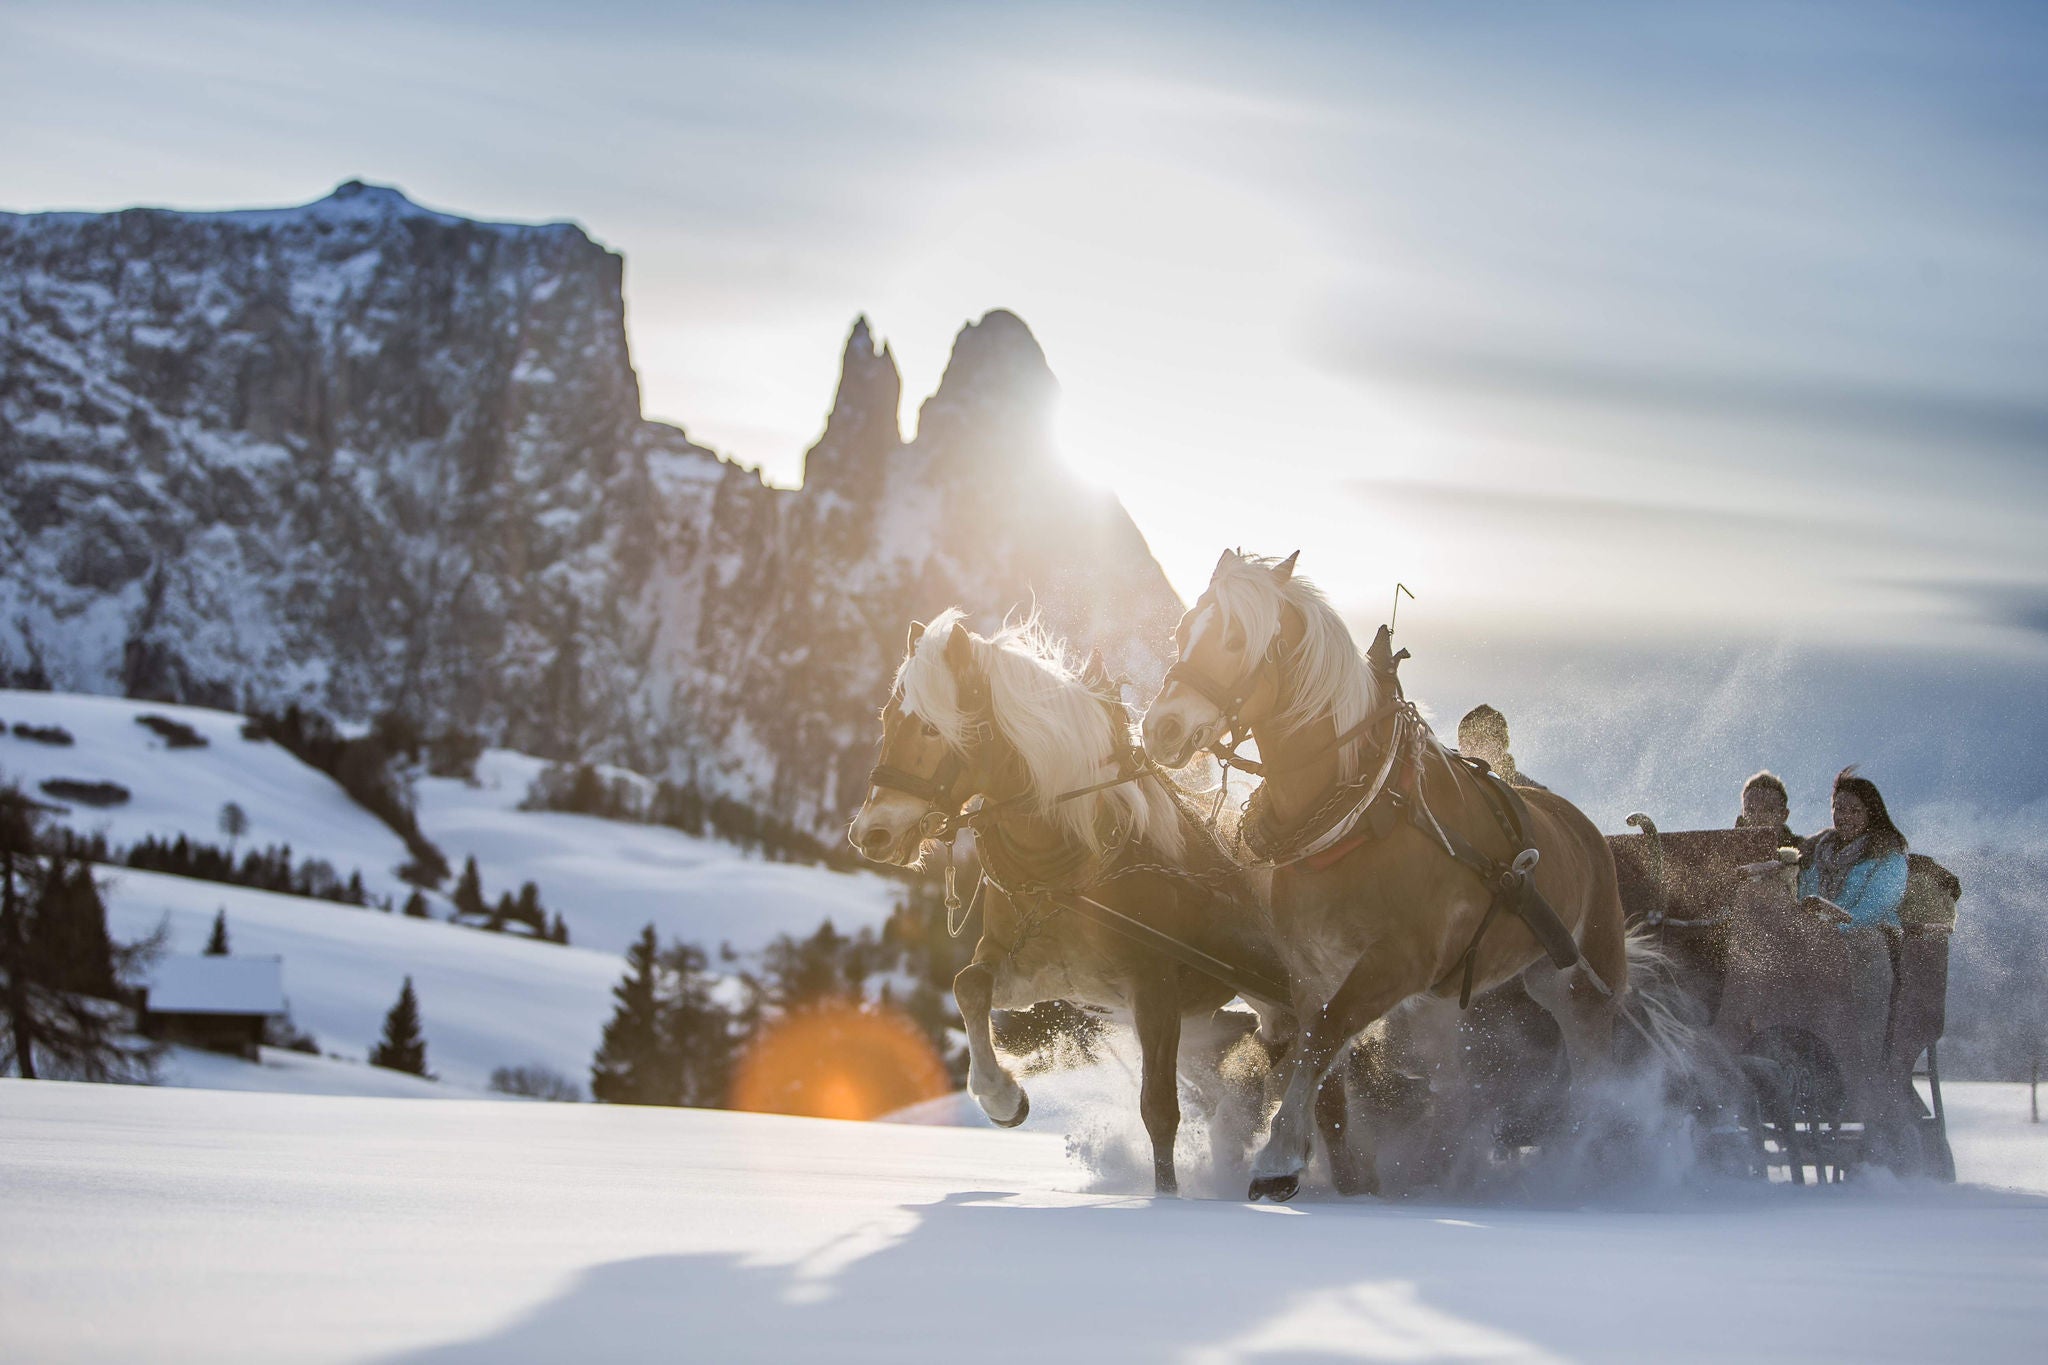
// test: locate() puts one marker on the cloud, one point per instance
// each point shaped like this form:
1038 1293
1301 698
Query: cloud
1872 409
2021 607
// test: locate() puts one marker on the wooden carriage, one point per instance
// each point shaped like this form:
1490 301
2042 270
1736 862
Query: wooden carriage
1829 1039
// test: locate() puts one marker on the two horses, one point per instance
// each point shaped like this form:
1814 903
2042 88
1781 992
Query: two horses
1383 861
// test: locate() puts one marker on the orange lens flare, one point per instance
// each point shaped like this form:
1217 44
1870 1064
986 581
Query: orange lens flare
837 1061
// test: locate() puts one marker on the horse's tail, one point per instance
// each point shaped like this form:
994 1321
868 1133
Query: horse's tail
1656 1004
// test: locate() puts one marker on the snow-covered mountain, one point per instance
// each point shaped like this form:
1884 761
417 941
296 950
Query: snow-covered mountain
366 456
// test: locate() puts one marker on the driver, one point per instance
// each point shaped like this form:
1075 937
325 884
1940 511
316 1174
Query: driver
1483 733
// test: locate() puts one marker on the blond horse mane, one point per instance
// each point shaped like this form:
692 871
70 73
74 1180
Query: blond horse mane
1329 676
1048 715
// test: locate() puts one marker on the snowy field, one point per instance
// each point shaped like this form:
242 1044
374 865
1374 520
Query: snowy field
486 1000
166 1225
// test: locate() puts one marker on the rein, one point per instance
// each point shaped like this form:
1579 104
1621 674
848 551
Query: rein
1056 882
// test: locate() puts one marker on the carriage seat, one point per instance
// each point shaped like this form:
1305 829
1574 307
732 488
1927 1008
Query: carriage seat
1920 961
1931 894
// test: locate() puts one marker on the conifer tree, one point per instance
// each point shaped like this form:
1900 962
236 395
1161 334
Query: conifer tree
217 946
21 885
528 910
699 1035
469 891
558 932
402 1048
629 1067
60 972
416 905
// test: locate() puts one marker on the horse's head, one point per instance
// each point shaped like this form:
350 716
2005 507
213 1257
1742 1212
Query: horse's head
933 729
1226 671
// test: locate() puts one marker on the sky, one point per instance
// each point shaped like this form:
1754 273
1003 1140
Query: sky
1720 331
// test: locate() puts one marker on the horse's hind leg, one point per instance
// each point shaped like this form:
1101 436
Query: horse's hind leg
1156 1013
1346 1137
1584 1004
991 1084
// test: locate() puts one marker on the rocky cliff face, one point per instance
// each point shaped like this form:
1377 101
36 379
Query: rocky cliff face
366 456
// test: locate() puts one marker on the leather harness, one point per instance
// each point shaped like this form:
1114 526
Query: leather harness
1389 804
1058 880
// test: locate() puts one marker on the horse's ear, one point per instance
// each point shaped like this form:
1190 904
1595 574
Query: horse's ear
1284 570
1222 561
1096 670
960 649
916 634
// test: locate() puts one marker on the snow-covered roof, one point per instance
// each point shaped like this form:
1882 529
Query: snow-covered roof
218 985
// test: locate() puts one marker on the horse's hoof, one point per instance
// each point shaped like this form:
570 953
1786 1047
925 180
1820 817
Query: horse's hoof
1023 1112
1278 1188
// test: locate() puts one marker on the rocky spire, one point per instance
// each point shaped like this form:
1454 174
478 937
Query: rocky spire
997 385
862 429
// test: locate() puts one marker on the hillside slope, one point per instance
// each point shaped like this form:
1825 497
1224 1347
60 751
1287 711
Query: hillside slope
486 1000
606 878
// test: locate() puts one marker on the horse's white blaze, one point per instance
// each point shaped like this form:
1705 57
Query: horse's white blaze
1197 719
895 813
1327 674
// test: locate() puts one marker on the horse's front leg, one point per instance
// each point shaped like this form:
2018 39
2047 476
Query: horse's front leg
1367 993
1155 1010
988 1080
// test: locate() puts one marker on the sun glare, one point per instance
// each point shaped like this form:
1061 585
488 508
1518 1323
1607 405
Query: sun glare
839 1061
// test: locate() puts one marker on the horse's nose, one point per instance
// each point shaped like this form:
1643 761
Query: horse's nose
1167 731
875 841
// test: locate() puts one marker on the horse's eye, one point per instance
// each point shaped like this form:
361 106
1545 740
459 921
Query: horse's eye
1234 641
931 731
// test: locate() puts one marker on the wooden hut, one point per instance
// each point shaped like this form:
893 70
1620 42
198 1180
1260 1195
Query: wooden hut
218 1003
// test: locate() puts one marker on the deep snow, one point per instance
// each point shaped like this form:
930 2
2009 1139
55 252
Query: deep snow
173 1226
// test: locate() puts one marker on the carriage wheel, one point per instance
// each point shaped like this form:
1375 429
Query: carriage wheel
1810 1091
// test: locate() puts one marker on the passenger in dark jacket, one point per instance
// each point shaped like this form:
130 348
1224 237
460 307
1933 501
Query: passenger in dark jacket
1766 805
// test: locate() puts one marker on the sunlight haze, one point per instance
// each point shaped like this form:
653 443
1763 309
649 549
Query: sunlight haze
1623 324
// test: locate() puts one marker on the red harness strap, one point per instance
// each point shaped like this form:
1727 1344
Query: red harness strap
1398 793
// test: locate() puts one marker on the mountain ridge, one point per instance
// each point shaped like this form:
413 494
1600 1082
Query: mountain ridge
365 456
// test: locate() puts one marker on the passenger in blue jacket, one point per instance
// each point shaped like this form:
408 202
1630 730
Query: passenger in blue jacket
1859 867
1860 864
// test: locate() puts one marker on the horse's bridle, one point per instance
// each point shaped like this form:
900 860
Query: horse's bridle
938 790
1228 700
